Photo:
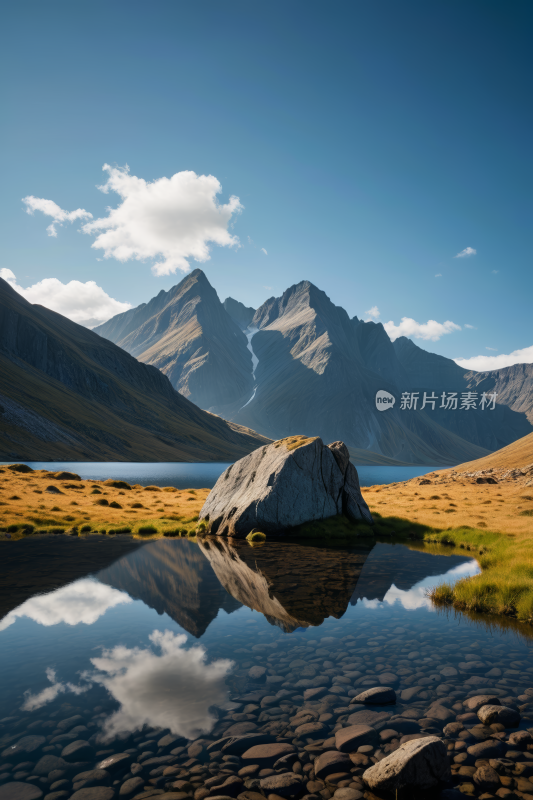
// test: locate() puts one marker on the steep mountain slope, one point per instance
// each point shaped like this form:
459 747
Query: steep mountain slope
188 335
514 386
492 429
67 393
318 374
241 314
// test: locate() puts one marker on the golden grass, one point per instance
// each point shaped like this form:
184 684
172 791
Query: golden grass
494 522
518 454
456 504
93 506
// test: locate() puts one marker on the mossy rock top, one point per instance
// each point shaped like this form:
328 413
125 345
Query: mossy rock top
294 442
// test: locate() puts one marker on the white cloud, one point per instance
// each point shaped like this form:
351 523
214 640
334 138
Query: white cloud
35 701
471 327
83 601
494 349
169 219
495 271
373 312
430 330
174 690
51 209
487 363
438 275
84 303
264 251
468 251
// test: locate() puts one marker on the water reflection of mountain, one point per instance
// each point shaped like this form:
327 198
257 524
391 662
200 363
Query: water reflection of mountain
292 585
390 564
173 578
35 565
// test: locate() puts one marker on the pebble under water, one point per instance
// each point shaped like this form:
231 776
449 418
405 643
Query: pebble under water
190 670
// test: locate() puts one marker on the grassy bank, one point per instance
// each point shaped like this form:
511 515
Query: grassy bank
505 585
46 502
494 522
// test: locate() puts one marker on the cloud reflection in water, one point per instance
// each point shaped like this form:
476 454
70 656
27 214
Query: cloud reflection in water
172 690
82 601
34 701
416 596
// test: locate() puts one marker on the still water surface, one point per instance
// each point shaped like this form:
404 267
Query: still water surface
187 475
159 642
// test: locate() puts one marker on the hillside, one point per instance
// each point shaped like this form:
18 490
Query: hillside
516 456
188 335
69 394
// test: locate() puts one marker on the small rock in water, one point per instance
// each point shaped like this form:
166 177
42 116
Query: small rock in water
507 717
78 750
418 764
330 762
257 673
94 793
115 762
475 703
347 740
379 695
266 754
284 785
17 790
28 745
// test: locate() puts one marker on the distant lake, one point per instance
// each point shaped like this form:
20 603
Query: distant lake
185 475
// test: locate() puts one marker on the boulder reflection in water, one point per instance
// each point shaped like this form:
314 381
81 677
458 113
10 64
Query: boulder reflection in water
292 585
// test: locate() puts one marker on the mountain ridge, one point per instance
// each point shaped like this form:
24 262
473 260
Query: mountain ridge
316 371
69 394
188 335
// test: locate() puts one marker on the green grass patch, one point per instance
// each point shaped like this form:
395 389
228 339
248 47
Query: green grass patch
505 585
146 530
256 536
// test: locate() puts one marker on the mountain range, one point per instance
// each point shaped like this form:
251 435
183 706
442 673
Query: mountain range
300 364
68 394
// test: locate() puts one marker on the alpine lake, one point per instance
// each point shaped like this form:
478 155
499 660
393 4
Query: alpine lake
211 668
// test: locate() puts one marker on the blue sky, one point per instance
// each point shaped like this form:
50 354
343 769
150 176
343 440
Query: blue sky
368 143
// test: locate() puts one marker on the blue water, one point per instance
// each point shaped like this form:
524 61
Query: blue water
186 475
162 640
130 627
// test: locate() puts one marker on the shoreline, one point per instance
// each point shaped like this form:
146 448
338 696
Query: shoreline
44 502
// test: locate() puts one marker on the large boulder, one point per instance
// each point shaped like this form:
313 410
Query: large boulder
418 764
284 484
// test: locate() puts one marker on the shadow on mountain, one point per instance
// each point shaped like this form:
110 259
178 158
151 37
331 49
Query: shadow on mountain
294 586
173 578
396 564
